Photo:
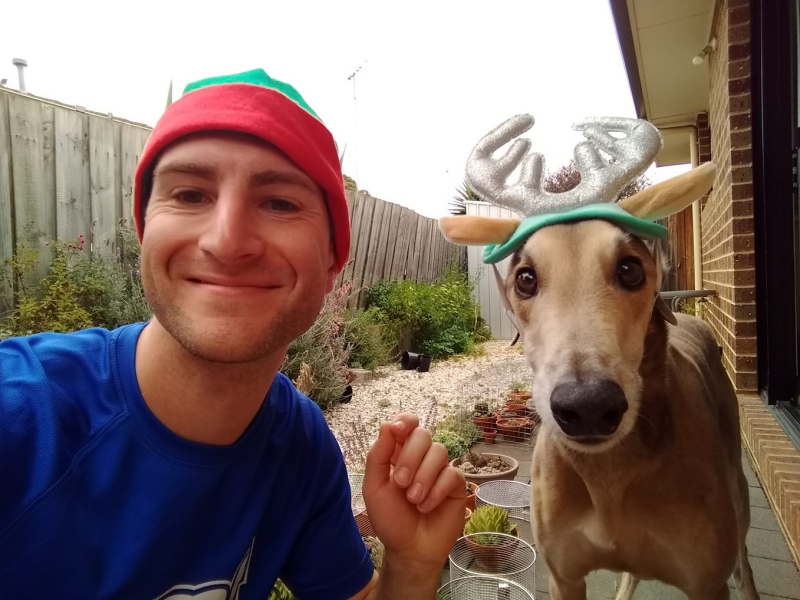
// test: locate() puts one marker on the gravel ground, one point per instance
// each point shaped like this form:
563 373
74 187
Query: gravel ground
432 396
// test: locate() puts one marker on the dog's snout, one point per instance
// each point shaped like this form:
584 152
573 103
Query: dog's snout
590 409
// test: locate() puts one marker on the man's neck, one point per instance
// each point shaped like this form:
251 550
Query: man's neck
201 401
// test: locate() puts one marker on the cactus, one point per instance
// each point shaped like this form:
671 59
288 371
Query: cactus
481 409
492 519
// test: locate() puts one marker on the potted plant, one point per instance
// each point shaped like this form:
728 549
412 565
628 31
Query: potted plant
489 434
481 415
480 467
519 394
514 428
487 536
472 489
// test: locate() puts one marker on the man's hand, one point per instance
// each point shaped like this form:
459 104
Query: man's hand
415 500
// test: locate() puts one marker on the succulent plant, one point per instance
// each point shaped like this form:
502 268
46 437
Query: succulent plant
489 519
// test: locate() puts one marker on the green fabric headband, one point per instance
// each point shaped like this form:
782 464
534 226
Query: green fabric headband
607 211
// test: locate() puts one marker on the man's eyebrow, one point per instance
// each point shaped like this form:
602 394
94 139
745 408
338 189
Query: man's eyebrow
186 168
271 177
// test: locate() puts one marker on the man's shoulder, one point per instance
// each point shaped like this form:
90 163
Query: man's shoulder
58 392
294 409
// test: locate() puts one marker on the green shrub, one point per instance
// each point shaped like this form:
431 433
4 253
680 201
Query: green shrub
365 335
81 289
456 445
461 424
323 349
441 317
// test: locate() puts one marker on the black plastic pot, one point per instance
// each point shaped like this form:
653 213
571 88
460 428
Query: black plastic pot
409 361
347 395
424 363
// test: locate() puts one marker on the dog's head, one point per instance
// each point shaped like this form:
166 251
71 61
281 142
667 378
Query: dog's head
582 283
583 295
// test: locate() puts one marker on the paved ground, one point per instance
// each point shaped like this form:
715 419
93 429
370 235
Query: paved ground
775 574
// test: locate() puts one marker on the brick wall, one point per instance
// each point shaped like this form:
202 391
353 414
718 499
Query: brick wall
727 217
777 463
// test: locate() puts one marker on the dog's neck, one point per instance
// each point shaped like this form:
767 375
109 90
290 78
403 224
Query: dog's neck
652 433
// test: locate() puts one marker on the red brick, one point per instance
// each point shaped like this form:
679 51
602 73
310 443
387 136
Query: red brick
739 51
740 103
741 139
739 86
740 121
737 16
740 33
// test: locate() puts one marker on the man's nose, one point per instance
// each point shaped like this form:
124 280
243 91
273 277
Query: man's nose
233 231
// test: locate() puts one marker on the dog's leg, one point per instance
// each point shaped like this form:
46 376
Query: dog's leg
627 586
743 576
562 589
723 593
742 572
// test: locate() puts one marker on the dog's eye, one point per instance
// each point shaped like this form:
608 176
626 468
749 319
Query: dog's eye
526 283
630 273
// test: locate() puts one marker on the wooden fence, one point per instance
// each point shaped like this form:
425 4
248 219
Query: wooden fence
66 171
390 241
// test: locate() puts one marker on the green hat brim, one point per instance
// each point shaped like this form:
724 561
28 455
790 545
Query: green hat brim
605 211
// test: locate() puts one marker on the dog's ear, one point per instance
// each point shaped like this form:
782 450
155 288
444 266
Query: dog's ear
671 196
472 230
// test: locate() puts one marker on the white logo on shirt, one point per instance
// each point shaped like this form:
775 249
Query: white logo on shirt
213 590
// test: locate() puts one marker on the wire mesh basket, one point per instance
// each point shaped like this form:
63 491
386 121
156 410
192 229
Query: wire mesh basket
495 554
482 588
358 505
513 496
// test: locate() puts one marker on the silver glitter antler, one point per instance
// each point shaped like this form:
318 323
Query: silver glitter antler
601 180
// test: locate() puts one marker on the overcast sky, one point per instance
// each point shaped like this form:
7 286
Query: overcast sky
435 75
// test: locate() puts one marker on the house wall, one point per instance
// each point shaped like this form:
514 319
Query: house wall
727 217
724 136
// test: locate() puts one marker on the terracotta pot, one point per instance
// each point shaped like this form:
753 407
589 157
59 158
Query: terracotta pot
521 410
482 422
489 435
513 428
467 514
519 397
480 478
494 557
470 502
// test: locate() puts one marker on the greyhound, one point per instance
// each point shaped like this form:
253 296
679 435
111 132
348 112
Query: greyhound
637 464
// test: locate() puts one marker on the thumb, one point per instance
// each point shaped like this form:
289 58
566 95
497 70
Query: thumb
379 460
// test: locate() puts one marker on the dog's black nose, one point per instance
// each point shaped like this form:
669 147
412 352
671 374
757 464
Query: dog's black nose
589 409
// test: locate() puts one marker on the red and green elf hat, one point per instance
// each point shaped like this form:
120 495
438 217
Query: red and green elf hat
252 102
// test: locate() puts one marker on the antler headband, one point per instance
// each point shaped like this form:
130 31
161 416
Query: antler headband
595 196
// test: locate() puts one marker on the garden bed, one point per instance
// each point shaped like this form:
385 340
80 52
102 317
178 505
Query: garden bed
451 385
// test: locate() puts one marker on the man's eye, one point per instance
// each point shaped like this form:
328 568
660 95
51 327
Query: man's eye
190 196
280 205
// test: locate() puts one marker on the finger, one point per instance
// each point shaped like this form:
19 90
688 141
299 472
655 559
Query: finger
377 469
411 455
434 461
449 484
403 424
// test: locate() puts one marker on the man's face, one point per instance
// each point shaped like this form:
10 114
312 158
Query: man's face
236 254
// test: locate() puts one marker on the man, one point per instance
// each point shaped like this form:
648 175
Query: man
170 459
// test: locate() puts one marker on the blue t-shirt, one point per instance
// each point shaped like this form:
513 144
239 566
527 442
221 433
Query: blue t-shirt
98 499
